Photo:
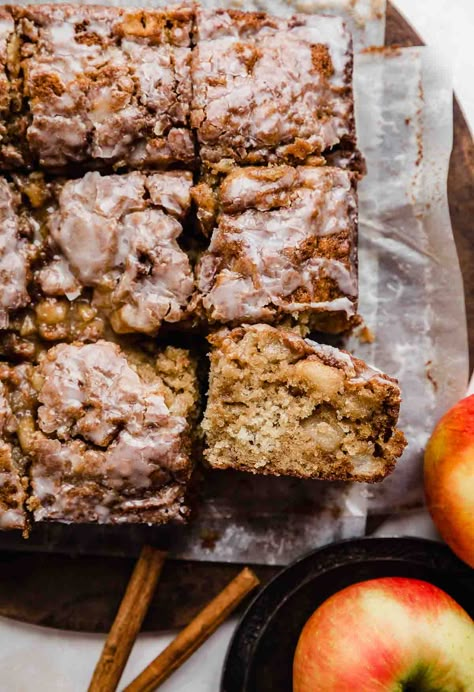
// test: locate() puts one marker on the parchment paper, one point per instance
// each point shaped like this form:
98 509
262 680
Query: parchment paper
411 291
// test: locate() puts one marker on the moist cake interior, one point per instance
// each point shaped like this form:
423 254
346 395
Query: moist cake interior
285 405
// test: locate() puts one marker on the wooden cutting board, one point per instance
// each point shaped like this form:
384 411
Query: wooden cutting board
83 593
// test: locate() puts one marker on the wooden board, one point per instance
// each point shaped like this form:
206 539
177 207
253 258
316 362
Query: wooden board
83 593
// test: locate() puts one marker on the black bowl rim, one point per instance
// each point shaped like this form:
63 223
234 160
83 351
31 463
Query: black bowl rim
428 549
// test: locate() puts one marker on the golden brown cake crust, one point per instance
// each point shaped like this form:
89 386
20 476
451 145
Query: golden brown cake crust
280 404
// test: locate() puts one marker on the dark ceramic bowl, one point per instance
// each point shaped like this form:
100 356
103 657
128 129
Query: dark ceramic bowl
260 655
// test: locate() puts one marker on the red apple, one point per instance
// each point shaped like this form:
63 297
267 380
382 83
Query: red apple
449 478
386 635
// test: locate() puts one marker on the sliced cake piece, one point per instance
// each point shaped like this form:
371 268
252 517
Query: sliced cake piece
284 405
271 90
83 254
102 86
284 242
111 440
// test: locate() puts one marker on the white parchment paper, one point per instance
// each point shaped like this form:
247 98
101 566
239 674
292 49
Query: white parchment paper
411 291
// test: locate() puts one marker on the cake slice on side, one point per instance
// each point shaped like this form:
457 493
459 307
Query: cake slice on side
17 400
12 122
284 405
13 480
110 440
15 251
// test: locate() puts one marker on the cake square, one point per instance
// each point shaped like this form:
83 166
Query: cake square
13 481
112 435
284 243
103 86
271 90
97 253
284 405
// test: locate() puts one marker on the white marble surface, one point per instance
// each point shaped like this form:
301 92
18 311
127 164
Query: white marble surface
34 659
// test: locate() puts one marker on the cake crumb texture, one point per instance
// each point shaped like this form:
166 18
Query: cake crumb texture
284 405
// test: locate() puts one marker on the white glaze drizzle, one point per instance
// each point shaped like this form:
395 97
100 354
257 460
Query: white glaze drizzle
124 245
13 263
92 395
258 86
310 204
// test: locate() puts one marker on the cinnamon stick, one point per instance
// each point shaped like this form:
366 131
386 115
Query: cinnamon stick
128 620
195 634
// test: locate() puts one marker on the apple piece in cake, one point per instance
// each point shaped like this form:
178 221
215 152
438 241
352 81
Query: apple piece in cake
112 436
284 405
271 90
284 242
101 87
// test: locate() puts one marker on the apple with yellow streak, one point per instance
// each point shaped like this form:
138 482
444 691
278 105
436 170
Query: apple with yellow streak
391 634
449 478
